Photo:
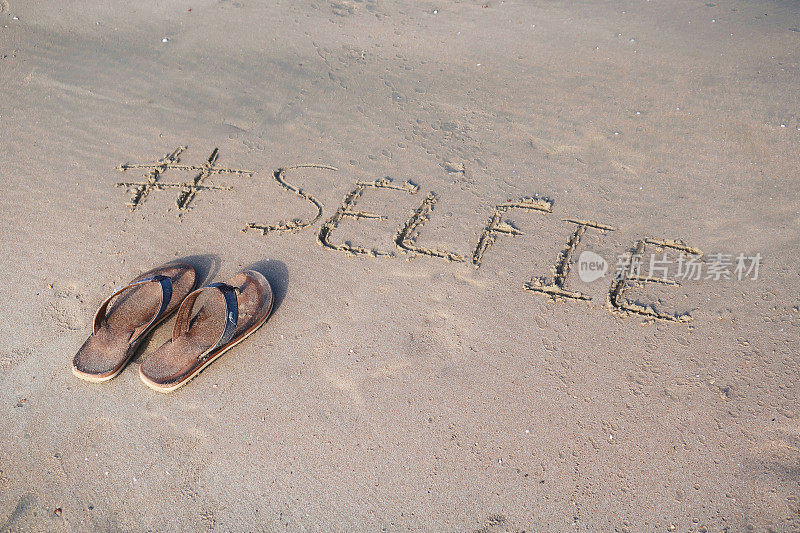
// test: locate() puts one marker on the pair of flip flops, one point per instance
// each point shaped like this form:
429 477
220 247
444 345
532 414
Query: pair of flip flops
210 321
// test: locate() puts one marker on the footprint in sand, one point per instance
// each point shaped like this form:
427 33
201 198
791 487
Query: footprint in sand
771 472
68 310
180 457
13 358
187 471
495 523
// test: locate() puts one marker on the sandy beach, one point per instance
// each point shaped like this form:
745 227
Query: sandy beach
428 187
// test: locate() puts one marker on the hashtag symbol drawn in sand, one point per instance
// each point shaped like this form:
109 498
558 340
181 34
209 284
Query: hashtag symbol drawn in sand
188 190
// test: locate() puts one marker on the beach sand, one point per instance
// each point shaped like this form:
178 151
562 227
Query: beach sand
408 391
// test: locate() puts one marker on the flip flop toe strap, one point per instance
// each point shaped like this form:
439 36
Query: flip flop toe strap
231 315
166 295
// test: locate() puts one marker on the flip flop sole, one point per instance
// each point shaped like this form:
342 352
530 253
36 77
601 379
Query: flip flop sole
95 378
103 357
174 386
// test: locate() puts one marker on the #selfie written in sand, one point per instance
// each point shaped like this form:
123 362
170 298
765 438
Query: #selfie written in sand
406 239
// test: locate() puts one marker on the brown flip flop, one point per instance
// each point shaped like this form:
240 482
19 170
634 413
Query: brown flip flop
138 307
226 313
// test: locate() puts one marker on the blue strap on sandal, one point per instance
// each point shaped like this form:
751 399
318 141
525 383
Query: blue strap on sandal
166 295
231 315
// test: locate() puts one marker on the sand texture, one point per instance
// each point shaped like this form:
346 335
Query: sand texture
417 179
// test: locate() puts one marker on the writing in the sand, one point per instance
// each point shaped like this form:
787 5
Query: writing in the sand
407 236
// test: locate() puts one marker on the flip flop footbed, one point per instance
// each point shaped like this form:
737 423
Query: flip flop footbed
185 355
106 351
